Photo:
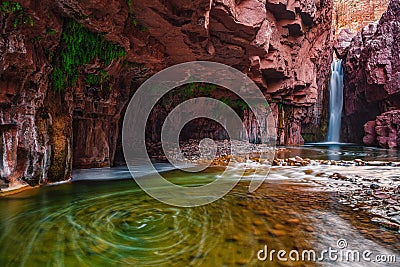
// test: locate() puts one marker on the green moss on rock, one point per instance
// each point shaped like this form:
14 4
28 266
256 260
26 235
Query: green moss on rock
18 14
78 47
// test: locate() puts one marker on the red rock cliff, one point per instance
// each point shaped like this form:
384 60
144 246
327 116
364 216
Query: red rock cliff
284 46
356 14
372 83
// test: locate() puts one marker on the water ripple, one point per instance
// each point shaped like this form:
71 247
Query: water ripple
119 227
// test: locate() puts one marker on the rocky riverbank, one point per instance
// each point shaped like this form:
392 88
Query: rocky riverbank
371 187
379 197
363 185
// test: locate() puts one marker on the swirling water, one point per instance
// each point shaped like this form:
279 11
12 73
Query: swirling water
113 223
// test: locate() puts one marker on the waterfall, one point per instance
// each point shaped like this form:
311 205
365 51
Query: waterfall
335 101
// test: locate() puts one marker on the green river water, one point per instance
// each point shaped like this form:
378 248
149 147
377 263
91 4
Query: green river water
114 223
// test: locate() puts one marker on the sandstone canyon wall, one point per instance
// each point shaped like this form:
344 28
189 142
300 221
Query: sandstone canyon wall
356 14
372 82
62 108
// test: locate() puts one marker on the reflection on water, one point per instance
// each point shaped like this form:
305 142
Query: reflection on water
334 152
338 151
113 223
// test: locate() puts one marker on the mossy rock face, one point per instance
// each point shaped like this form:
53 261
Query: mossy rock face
322 130
308 138
79 47
61 140
16 13
318 133
193 90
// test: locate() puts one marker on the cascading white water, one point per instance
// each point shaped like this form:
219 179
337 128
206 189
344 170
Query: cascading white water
336 101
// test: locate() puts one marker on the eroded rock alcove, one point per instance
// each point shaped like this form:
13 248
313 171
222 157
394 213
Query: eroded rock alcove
47 127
